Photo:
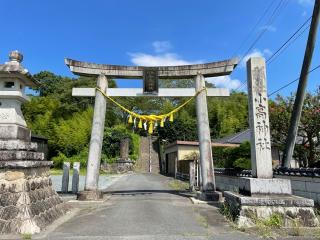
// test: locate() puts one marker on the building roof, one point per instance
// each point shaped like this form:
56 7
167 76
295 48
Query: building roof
244 136
194 143
237 138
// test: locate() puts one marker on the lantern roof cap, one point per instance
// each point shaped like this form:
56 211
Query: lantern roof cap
14 69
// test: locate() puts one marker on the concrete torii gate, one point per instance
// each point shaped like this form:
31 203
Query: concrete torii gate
150 75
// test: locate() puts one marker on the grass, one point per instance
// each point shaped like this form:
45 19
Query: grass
203 221
264 227
178 185
226 211
26 236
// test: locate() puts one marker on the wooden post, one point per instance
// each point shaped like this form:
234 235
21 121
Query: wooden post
150 159
191 176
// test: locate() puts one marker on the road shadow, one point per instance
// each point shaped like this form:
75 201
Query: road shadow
180 193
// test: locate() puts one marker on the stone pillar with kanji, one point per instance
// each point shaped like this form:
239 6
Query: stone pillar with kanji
262 195
259 119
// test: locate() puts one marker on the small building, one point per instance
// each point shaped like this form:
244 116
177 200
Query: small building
178 154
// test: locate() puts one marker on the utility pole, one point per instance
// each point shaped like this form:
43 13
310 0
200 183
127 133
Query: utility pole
300 96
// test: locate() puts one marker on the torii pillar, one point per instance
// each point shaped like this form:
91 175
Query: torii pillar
198 72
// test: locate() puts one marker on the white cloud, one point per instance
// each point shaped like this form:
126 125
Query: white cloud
167 59
269 28
161 46
306 2
255 53
173 59
267 52
225 82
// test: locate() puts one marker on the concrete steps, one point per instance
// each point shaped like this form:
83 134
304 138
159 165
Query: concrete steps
148 148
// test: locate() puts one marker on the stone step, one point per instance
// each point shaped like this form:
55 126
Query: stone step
20 155
18 145
143 162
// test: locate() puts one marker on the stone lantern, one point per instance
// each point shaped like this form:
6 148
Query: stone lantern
13 80
28 201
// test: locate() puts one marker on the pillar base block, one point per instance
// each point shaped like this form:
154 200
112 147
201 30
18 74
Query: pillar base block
262 186
245 210
213 196
91 195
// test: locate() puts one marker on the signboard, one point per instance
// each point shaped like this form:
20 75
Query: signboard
150 80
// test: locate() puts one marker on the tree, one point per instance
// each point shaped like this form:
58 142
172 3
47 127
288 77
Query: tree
65 120
308 139
228 115
111 142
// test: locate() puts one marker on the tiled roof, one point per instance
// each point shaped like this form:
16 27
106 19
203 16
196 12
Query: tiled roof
237 138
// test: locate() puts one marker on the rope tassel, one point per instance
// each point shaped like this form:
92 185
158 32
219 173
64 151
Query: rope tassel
171 117
150 130
162 122
149 118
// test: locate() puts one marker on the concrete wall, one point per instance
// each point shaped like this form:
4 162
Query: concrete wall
308 187
227 183
185 151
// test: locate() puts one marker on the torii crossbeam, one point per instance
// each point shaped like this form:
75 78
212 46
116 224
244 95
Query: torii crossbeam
103 72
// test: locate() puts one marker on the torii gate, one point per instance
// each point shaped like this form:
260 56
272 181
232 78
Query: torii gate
150 75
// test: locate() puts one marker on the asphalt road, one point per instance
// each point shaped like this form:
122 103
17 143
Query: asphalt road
143 206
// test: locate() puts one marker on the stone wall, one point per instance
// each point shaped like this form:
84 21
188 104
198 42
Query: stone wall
308 187
28 202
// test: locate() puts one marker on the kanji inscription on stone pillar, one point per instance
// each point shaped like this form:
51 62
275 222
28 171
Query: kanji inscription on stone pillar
259 119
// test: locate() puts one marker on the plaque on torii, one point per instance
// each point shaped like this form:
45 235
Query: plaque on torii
150 76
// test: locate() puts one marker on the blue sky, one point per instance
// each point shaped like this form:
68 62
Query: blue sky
156 32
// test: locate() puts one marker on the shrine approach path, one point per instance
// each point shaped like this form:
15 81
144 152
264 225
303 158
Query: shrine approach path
143 206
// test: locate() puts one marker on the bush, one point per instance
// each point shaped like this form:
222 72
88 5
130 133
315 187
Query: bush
111 143
82 157
242 163
219 155
232 157
58 160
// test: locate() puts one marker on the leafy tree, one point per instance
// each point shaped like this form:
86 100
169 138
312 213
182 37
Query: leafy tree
65 120
308 141
228 115
183 127
111 142
72 135
238 157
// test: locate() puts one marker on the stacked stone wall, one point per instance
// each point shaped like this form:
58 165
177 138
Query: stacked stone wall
28 202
